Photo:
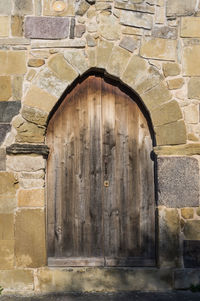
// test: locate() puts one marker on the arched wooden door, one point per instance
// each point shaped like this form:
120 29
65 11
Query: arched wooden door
100 175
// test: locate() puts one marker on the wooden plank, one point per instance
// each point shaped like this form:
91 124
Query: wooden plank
130 262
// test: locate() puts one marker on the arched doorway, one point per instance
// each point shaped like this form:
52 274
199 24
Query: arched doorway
100 177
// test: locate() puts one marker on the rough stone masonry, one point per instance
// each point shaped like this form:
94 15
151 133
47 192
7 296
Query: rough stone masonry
151 46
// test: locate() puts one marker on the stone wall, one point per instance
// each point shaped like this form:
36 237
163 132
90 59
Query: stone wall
153 47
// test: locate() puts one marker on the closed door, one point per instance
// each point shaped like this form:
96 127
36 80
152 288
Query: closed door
100 190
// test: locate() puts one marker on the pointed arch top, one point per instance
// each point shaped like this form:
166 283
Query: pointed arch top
132 72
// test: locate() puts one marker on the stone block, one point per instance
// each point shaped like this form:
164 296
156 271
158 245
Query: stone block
71 43
128 43
189 27
191 113
98 279
109 27
192 229
132 6
171 69
169 229
191 60
132 31
156 48
6 254
30 238
136 19
34 96
156 96
48 8
8 109
189 149
17 26
25 163
31 198
180 7
8 188
172 133
4 26
5 7
17 87
175 83
104 51
118 55
2 159
4 129
164 32
62 69
36 62
90 40
191 251
6 226
184 278
5 88
178 182
187 213
79 30
30 75
12 62
34 115
194 88
22 7
46 27
166 113
77 59
82 7
28 132
17 280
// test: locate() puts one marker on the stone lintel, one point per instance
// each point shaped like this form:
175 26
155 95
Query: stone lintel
18 149
178 150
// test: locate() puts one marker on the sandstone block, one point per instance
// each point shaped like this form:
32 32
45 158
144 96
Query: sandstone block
132 31
192 229
171 69
4 26
22 7
34 115
5 88
82 7
175 83
79 30
30 238
109 27
34 96
156 96
71 43
2 159
17 87
191 113
189 27
172 133
187 213
77 59
31 198
166 113
191 60
48 8
25 163
118 55
36 62
17 26
61 68
17 280
103 53
136 19
5 7
4 129
6 226
164 32
8 190
180 7
31 74
169 229
46 27
156 48
128 43
132 6
191 249
29 132
12 62
194 88
90 41
178 182
189 149
6 254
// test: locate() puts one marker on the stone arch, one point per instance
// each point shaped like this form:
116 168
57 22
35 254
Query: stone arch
131 70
